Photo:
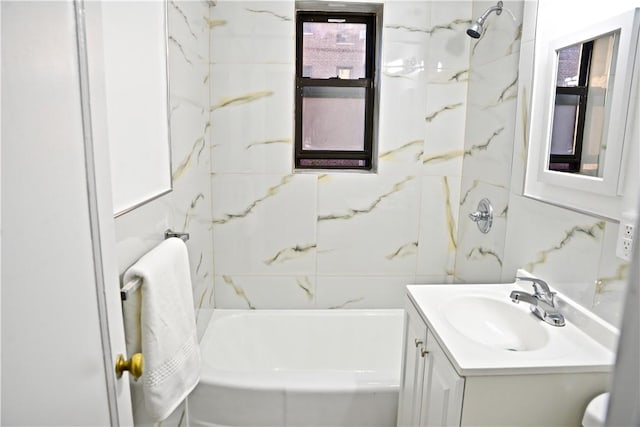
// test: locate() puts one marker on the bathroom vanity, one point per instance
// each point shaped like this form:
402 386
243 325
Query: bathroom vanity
472 357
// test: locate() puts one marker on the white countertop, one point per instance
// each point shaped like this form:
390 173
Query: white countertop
584 344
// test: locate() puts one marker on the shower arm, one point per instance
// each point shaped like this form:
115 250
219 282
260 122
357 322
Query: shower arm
497 8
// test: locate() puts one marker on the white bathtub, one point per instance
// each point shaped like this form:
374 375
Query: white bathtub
299 368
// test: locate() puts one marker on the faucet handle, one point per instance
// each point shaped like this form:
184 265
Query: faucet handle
540 289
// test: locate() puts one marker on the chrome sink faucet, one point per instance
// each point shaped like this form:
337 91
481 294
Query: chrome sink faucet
542 301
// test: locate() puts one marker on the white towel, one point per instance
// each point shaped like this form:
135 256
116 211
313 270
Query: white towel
160 323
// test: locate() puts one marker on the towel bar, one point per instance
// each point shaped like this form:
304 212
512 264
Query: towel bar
134 284
170 233
129 288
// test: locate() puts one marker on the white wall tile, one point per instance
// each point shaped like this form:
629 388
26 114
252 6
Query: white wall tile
438 226
252 118
362 291
479 256
265 292
367 224
264 224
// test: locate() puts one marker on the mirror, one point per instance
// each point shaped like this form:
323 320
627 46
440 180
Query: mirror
580 116
583 73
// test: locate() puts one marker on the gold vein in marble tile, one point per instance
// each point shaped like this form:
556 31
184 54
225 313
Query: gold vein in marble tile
212 23
460 76
272 191
238 290
396 75
199 263
290 253
352 213
205 80
269 12
305 284
451 222
484 146
444 78
346 303
325 177
388 155
198 146
451 26
202 298
474 185
510 92
188 215
403 251
430 31
242 99
594 231
407 28
184 17
603 282
435 114
525 125
480 252
515 43
442 157
269 142
181 49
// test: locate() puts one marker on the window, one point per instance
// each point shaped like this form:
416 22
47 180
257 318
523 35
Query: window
335 90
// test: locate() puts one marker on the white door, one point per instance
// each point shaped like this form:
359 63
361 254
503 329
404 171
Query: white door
61 320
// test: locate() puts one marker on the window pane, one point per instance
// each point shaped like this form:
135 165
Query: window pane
565 114
333 118
329 47
592 148
569 66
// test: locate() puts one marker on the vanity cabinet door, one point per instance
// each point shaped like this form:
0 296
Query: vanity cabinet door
441 403
411 381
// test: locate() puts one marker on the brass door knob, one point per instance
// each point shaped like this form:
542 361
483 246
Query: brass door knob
135 365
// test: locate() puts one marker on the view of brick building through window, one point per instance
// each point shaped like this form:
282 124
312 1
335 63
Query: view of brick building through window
334 50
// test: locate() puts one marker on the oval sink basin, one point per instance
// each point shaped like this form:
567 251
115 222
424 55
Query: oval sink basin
496 324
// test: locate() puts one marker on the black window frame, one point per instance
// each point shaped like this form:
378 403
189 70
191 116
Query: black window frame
573 162
349 158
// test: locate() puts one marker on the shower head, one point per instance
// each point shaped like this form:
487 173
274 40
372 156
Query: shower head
476 29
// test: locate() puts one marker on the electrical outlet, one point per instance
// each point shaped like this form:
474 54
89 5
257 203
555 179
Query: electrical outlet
624 247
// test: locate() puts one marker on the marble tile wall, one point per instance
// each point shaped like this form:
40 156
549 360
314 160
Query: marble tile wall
453 130
317 240
489 136
188 207
574 251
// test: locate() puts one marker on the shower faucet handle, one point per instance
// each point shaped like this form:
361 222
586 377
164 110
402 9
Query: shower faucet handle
483 216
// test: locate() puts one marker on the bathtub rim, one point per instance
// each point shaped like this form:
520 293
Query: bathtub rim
303 381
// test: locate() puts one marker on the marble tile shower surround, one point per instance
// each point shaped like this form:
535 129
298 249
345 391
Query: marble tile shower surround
314 240
453 115
489 135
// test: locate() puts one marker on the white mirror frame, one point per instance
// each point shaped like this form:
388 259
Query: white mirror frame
595 195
